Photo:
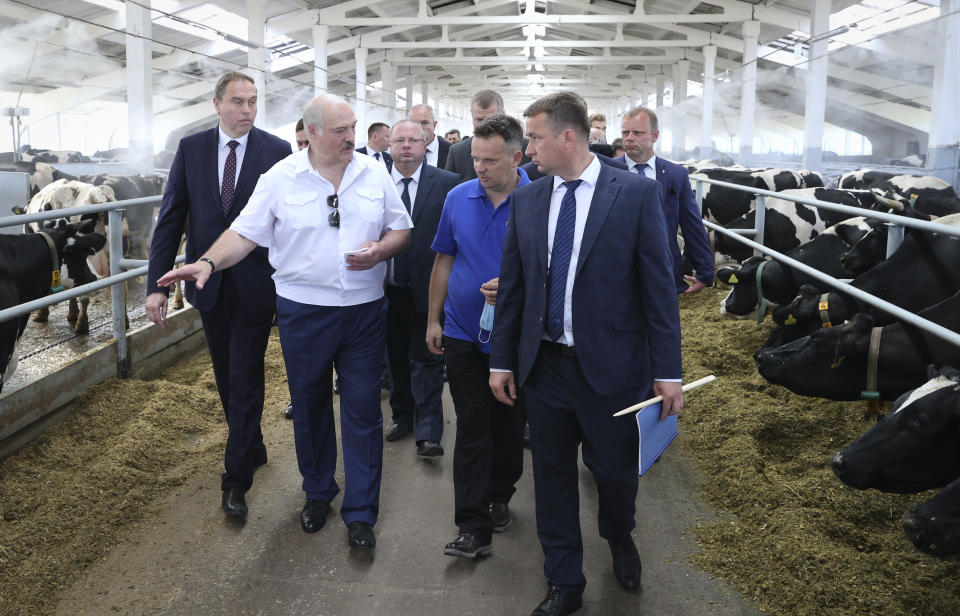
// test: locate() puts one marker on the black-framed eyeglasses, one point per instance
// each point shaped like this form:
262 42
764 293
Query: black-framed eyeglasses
334 218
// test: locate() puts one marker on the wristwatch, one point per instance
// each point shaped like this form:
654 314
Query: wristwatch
213 266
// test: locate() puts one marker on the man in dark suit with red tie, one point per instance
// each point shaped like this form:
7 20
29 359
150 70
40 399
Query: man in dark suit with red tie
213 175
640 131
587 323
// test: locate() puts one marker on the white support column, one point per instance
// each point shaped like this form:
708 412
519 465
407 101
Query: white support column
411 83
139 86
706 124
661 83
361 93
424 92
943 156
256 56
748 90
816 95
388 96
320 36
678 117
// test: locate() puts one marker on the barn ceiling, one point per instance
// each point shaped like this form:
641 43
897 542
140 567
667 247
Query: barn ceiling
63 54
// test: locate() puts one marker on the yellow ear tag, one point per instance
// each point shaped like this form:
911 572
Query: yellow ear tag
839 361
55 278
790 320
823 306
733 279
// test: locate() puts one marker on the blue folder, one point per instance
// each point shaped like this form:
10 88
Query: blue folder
655 435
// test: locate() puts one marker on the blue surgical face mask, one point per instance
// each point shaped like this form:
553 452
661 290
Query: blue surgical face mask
486 323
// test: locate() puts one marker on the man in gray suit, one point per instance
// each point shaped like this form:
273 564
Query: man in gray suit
459 160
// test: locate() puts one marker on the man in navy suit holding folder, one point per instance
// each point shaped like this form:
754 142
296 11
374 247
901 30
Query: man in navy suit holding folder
212 177
587 322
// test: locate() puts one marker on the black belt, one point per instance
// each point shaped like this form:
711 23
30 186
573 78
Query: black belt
562 349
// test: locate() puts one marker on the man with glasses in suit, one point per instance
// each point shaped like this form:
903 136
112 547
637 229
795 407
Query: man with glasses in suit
330 218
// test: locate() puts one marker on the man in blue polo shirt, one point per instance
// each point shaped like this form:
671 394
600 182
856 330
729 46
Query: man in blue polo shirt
488 452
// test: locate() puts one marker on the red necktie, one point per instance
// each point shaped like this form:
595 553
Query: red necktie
229 177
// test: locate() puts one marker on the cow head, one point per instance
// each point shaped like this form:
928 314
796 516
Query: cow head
742 300
829 363
866 252
77 268
803 315
934 526
912 449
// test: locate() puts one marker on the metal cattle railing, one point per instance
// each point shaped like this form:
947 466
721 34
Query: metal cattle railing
893 240
134 267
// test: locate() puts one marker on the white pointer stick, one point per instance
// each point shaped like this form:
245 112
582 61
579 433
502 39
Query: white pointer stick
654 400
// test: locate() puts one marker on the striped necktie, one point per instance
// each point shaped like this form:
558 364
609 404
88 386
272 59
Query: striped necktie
229 177
560 260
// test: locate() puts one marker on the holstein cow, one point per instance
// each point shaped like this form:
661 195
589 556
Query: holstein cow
721 204
53 156
920 273
779 282
872 247
904 185
63 195
40 174
912 449
788 224
934 526
833 362
27 264
137 221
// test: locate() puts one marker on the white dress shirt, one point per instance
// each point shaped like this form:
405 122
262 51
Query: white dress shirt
650 171
288 213
433 152
223 150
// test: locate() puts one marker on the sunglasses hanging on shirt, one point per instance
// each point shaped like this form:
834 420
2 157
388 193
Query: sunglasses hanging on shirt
334 218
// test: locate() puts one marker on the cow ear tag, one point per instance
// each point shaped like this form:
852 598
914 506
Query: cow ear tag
55 281
733 279
790 320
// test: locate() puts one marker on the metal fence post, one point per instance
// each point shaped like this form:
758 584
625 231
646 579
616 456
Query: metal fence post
894 238
700 196
118 292
760 219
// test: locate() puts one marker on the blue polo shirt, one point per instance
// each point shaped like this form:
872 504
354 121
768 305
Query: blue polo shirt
471 231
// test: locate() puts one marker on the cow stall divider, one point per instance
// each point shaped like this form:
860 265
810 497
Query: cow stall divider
34 402
894 237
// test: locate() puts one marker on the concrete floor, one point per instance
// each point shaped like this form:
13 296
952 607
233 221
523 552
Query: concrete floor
190 560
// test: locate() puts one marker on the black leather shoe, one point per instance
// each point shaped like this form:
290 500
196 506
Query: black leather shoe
288 412
397 431
626 563
314 515
500 512
429 449
360 535
559 602
259 458
233 502
468 545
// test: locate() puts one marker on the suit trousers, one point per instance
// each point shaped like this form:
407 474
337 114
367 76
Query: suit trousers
315 339
488 452
416 374
565 413
237 334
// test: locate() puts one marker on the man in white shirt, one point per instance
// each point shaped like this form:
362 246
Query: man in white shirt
436 148
330 218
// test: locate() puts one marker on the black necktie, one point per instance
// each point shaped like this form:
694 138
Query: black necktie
401 275
376 155
229 177
560 260
641 169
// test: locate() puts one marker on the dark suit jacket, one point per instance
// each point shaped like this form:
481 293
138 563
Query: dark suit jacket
534 174
626 320
460 161
384 156
427 207
443 148
681 211
192 201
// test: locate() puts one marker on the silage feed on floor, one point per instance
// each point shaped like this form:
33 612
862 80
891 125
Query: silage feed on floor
796 540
